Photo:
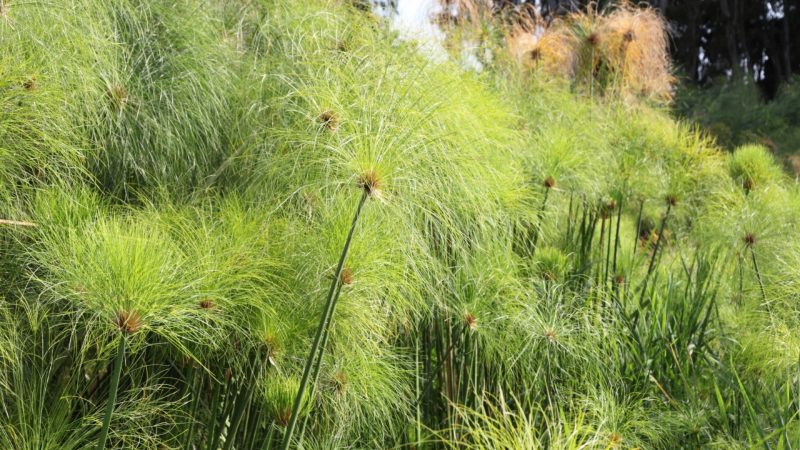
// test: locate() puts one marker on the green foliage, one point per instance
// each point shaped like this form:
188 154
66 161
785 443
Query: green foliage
736 114
534 268
752 166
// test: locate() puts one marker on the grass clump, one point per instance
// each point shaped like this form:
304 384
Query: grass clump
753 166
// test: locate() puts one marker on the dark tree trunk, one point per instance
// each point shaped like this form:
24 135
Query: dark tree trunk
730 36
787 49
771 43
694 41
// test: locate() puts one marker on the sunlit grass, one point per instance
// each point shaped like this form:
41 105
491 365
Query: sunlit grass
535 265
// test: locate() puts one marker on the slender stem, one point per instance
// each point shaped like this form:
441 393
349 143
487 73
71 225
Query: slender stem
437 370
242 403
330 305
418 425
539 225
318 365
591 78
616 237
608 252
188 380
659 238
638 227
252 432
215 395
758 277
569 217
18 223
325 337
741 279
112 391
229 396
600 249
197 389
270 436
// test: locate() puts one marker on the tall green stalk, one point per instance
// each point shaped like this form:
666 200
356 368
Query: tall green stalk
242 403
318 365
741 280
758 277
270 437
616 236
670 203
330 305
549 183
197 387
638 227
215 395
608 252
601 247
112 391
417 409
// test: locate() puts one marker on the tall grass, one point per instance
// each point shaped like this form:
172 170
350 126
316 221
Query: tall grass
537 265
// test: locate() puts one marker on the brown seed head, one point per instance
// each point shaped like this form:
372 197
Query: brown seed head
283 417
615 439
340 380
471 321
671 199
445 19
619 279
551 335
370 181
651 238
535 54
128 321
119 96
749 239
748 184
607 208
346 277
329 120
549 182
593 39
271 341
270 347
206 303
629 36
30 83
